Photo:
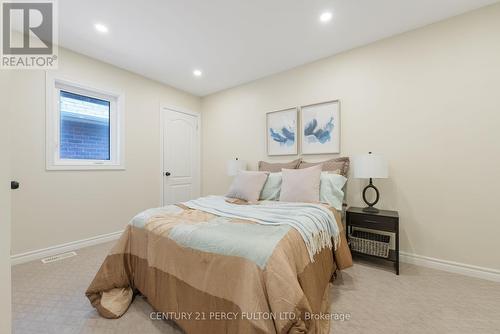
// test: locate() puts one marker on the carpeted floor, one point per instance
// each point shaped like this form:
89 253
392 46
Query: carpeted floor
49 298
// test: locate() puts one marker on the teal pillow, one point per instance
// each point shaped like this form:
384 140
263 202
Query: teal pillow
330 189
272 187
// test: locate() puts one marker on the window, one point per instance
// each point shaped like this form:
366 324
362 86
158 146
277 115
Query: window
84 132
84 127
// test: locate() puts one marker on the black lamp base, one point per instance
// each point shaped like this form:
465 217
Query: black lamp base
370 208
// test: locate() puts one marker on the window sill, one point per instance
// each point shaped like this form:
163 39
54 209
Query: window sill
84 167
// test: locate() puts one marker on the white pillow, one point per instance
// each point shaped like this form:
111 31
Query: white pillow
272 187
247 185
331 189
300 185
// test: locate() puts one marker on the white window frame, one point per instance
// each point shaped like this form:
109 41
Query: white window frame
116 141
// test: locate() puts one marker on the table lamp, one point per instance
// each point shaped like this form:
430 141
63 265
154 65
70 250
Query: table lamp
370 166
235 165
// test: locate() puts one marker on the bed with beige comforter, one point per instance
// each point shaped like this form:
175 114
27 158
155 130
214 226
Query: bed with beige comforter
221 274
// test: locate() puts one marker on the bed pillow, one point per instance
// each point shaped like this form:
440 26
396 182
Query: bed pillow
247 185
277 167
300 185
272 187
330 190
331 165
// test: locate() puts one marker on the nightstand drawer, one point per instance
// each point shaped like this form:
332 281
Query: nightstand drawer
375 222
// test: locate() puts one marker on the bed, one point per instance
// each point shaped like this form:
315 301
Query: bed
213 266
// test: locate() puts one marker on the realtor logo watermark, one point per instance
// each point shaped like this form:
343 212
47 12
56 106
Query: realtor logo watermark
29 35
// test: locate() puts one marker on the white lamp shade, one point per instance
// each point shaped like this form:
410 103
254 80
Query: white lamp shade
234 166
370 166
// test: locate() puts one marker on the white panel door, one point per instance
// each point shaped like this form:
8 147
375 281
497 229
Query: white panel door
181 156
5 208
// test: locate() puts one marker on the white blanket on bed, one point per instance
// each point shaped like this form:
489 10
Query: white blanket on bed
315 223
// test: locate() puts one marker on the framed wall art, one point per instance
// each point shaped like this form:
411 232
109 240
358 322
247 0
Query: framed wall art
320 128
281 132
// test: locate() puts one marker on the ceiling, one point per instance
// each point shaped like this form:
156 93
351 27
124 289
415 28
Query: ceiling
235 41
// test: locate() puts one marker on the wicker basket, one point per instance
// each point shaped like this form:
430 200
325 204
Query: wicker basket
370 243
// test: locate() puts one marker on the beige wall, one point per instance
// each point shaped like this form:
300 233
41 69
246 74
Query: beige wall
55 207
5 224
428 100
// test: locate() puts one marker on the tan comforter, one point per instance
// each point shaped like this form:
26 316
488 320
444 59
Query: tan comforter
206 292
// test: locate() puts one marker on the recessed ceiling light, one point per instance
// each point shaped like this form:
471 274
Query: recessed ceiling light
101 28
197 73
325 17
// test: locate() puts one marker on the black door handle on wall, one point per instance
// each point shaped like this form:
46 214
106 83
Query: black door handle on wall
14 185
167 174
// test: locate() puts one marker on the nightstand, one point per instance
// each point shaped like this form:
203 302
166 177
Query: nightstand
387 221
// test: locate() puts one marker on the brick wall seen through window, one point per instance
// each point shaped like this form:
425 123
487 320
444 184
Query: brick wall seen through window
85 127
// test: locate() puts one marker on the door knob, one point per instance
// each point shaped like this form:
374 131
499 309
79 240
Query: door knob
167 173
14 185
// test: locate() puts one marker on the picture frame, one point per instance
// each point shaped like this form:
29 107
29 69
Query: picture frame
320 128
281 132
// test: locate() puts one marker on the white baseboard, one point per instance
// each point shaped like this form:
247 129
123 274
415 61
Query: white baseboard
67 247
450 266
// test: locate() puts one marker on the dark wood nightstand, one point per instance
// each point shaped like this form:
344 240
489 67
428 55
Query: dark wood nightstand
387 221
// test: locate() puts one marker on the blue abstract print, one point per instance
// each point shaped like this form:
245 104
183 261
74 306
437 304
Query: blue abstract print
283 136
315 134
